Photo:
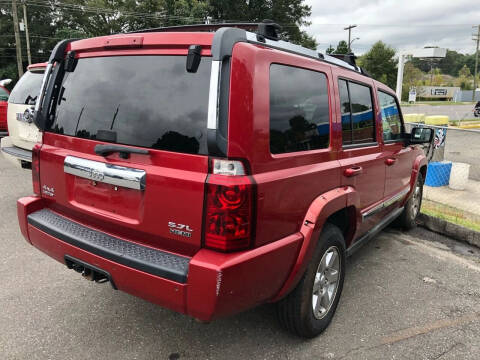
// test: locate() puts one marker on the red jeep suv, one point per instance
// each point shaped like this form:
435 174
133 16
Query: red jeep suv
212 171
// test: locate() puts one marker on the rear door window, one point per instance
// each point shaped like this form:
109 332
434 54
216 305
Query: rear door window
358 120
146 101
391 121
27 88
299 110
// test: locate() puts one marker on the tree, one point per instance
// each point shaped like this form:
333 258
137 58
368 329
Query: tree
290 14
330 49
465 78
53 20
438 79
42 37
380 63
342 48
412 77
117 16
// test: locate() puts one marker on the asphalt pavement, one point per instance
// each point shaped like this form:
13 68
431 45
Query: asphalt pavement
454 112
412 295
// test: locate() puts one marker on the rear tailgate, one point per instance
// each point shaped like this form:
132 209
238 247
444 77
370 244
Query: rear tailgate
144 102
173 191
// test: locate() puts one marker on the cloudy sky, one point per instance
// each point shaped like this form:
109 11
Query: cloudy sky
400 23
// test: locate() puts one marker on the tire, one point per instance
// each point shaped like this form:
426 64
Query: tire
296 310
408 217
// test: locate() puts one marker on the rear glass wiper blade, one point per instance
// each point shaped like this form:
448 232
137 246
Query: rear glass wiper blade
123 151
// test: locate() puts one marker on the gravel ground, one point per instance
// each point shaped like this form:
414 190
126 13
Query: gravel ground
409 295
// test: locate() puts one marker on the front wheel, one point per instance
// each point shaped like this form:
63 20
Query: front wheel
309 308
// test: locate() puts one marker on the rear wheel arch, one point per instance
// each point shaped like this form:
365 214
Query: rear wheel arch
345 220
335 206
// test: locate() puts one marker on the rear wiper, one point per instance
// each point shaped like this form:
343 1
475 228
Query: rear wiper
123 151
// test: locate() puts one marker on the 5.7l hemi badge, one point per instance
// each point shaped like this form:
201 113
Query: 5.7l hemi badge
180 229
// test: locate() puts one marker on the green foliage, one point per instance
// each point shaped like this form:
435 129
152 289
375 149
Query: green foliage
42 38
412 77
449 65
290 14
379 61
52 20
465 78
342 47
330 49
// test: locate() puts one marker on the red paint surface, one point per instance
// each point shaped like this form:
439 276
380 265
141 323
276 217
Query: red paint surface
295 193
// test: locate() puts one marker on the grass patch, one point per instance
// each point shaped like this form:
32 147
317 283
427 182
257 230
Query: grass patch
451 214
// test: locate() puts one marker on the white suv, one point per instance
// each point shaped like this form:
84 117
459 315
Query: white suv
23 133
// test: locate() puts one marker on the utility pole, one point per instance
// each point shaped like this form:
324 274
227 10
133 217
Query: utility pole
476 37
349 28
27 36
18 43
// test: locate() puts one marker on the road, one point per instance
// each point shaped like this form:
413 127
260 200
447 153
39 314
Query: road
455 112
409 295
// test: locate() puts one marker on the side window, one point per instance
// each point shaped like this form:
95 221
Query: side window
346 113
299 111
358 123
391 122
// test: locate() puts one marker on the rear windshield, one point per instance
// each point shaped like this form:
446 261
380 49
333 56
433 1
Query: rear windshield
147 101
27 88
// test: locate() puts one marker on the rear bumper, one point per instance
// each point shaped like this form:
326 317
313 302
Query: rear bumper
206 286
13 153
3 133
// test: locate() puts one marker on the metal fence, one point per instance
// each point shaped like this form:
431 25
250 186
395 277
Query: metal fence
452 184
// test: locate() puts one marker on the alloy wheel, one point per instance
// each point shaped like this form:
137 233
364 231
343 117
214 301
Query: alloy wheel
326 281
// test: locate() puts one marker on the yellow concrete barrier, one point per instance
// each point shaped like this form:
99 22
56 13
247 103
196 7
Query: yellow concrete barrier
414 118
437 120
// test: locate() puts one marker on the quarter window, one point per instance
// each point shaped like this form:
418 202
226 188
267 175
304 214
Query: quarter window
299 111
358 121
391 122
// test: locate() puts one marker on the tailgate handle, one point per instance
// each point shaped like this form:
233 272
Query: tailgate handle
123 151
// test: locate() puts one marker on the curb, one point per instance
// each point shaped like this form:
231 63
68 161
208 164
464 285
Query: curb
449 229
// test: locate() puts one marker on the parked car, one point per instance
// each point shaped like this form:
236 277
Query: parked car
4 94
23 134
194 170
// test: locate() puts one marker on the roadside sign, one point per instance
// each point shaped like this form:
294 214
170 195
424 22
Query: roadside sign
412 95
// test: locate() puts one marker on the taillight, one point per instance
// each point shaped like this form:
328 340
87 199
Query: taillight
36 168
229 212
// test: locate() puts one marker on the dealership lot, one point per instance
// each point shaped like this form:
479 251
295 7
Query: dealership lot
406 296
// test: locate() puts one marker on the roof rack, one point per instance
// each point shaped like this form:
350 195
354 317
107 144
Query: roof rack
266 34
199 27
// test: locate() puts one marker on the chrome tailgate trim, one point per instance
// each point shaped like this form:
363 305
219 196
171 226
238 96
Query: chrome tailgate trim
106 173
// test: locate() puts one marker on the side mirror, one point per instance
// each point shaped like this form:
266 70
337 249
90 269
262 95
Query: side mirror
421 135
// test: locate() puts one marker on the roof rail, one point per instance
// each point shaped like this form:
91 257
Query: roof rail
199 27
265 33
348 58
